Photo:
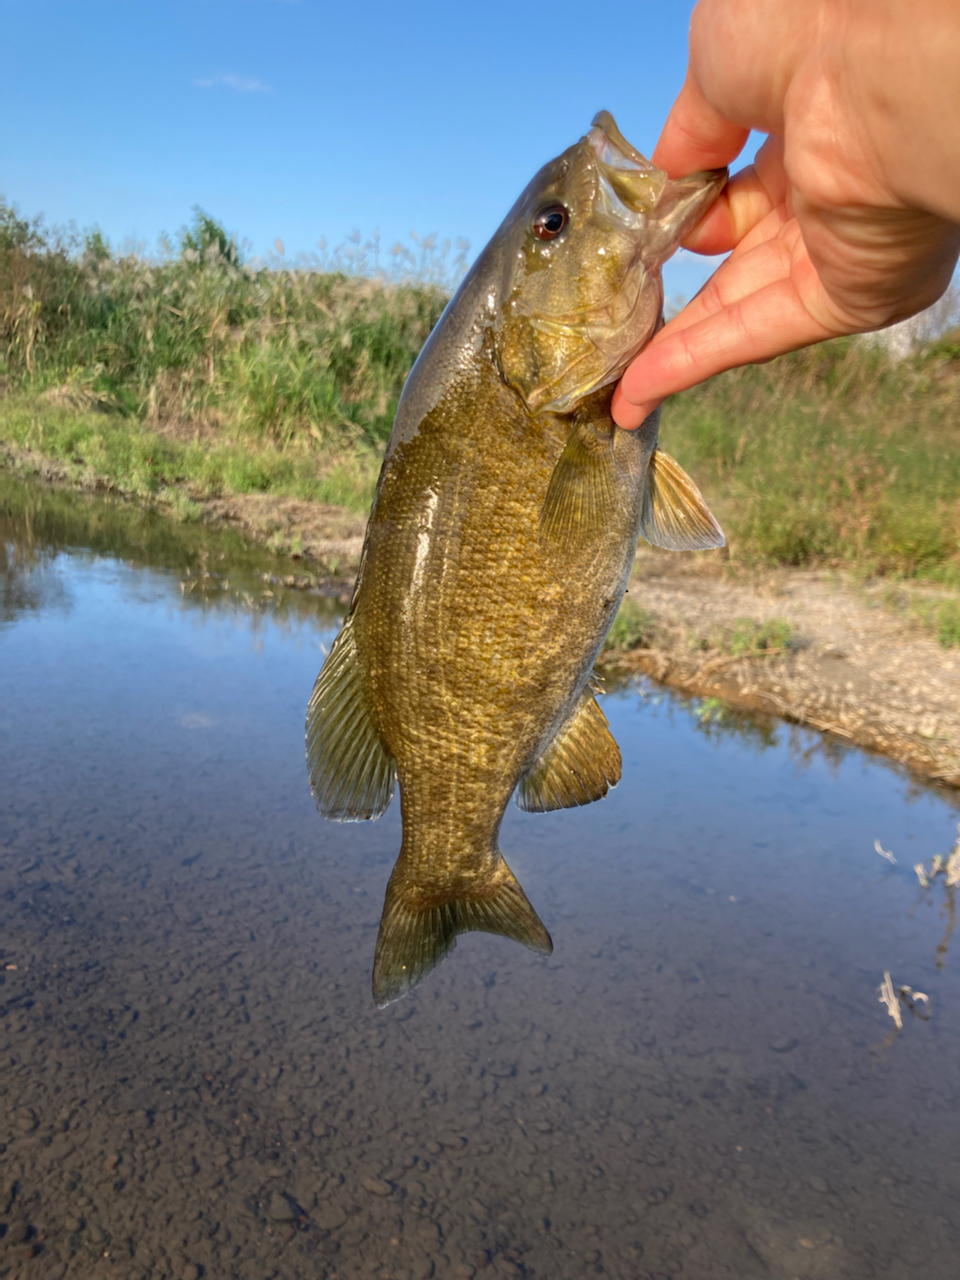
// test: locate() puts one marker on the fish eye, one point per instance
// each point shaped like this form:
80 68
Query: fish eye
550 221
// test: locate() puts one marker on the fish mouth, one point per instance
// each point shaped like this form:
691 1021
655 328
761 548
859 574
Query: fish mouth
610 144
628 179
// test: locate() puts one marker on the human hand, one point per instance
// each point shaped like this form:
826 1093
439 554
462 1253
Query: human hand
848 219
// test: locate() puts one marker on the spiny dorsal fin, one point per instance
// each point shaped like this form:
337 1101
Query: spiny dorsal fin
351 775
582 493
675 515
418 929
579 766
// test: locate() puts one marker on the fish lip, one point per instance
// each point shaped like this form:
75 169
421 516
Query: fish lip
608 128
630 180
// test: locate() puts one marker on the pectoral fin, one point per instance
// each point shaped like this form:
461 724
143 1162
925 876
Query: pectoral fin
579 766
351 774
675 515
582 495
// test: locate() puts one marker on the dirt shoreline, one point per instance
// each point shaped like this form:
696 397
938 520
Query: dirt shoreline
853 668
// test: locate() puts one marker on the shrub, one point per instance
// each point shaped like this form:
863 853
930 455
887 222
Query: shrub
834 455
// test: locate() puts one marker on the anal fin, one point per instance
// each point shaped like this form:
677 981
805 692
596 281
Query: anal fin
579 766
675 515
352 777
419 927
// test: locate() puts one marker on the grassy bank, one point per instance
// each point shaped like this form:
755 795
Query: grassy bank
836 455
276 354
200 374
177 467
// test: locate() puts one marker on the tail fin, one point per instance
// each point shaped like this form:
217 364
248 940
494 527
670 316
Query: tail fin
419 928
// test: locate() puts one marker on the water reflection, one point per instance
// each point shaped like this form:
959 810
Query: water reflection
215 568
28 584
715 718
196 1084
722 722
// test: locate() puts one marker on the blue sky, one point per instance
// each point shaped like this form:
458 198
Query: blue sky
292 119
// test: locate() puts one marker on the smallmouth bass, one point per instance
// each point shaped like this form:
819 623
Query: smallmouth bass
499 548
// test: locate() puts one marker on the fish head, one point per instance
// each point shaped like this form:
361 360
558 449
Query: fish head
581 252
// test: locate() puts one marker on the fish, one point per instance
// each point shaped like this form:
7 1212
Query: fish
498 550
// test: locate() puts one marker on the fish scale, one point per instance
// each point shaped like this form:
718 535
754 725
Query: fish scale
498 550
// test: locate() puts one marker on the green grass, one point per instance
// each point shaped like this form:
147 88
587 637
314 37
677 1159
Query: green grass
933 609
750 637
290 375
133 458
633 628
941 617
271 354
832 456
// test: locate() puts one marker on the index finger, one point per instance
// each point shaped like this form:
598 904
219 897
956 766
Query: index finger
696 136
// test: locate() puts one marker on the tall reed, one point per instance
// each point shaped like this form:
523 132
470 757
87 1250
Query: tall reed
276 351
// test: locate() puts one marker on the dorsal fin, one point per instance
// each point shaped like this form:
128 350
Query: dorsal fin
675 515
351 774
579 766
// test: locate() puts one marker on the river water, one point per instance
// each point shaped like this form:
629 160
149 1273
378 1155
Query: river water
701 1081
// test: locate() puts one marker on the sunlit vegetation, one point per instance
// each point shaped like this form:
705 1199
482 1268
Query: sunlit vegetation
837 456
201 368
751 637
199 373
633 628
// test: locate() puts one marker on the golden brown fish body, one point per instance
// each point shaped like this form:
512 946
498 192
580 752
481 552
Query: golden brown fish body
499 548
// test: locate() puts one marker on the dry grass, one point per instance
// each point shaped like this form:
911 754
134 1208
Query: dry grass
273 354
